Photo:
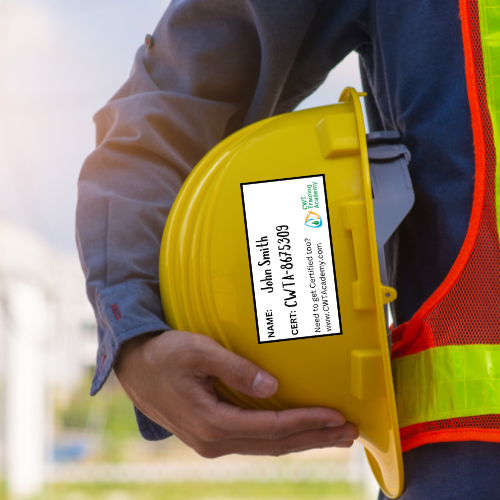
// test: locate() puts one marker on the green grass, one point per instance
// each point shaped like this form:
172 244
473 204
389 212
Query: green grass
205 491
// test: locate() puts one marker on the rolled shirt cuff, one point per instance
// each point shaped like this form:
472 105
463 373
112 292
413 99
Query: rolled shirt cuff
151 431
126 311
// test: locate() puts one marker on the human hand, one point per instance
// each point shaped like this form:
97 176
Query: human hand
169 377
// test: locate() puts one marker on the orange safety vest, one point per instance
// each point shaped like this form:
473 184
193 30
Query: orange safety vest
446 359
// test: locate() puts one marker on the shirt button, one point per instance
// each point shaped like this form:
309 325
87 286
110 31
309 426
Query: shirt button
149 41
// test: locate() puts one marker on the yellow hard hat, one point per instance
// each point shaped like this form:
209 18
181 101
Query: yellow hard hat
271 249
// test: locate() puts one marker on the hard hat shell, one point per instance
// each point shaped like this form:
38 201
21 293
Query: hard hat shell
211 281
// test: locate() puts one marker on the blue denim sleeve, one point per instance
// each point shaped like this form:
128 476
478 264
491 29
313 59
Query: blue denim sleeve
213 66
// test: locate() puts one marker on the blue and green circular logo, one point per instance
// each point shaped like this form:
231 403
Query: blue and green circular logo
313 219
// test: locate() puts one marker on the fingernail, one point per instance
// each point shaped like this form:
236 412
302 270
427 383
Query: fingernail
336 423
264 384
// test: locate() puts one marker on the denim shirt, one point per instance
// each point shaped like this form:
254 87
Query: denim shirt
213 66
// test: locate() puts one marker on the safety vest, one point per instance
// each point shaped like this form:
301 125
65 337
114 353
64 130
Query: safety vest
446 359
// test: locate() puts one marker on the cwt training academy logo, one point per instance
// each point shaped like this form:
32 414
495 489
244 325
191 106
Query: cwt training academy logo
311 201
313 219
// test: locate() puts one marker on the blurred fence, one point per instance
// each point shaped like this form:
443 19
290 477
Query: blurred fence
295 471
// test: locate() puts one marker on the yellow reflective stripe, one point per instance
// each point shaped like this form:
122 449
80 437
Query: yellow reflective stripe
489 20
447 382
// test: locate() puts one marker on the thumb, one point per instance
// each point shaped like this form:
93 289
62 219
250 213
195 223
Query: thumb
239 373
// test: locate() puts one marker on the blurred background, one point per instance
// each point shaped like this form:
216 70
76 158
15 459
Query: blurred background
60 61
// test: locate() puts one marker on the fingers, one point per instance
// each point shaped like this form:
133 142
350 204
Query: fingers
175 389
221 421
340 437
260 424
236 372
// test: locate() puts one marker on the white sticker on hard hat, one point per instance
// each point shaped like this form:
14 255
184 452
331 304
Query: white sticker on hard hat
291 258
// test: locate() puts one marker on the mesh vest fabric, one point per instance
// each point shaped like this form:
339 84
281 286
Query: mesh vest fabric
465 309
